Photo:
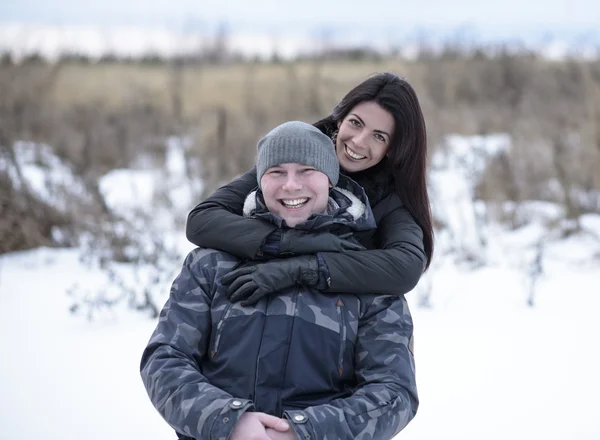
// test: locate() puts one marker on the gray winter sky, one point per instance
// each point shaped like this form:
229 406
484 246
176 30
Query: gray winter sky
547 14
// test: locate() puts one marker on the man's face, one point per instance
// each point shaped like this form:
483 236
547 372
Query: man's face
294 192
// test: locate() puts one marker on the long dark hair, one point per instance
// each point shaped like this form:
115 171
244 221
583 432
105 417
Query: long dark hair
408 148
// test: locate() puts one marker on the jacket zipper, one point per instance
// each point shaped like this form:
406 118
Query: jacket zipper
294 315
342 322
220 326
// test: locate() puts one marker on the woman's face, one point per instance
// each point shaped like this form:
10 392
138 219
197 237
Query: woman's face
364 136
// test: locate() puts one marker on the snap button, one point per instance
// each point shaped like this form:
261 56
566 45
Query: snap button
236 404
299 418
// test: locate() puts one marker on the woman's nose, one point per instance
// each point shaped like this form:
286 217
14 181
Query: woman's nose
360 139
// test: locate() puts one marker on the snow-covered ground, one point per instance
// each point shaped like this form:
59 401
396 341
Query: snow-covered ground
489 365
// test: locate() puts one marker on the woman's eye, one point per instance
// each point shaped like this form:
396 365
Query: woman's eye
354 122
380 137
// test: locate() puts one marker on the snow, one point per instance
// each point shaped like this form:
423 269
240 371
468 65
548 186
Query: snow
60 377
489 366
127 191
155 200
52 41
455 170
45 175
168 37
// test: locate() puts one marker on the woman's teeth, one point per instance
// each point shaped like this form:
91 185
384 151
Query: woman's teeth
353 154
295 203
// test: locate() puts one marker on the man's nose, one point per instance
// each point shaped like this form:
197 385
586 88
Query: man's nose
292 183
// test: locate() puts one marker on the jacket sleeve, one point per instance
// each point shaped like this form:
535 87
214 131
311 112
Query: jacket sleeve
217 222
170 363
394 268
385 400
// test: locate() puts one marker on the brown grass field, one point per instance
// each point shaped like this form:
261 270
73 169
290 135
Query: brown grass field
207 87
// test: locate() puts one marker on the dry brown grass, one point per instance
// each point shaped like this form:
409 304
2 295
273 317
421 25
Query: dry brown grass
209 87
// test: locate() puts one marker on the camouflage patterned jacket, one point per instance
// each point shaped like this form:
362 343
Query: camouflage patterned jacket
337 366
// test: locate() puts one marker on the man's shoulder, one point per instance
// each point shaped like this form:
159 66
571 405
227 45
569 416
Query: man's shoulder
202 258
205 267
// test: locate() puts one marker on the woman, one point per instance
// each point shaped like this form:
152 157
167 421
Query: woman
380 138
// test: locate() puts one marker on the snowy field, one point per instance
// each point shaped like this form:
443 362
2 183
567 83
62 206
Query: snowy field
489 366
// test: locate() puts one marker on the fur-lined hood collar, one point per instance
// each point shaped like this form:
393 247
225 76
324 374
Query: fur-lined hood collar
348 206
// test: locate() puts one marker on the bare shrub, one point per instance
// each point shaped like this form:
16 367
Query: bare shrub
136 261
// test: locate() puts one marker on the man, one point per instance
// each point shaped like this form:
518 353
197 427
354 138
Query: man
299 365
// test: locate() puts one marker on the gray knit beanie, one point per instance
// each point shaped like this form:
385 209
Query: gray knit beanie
297 142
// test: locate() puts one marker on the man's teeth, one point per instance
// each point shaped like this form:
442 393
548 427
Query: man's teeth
353 154
295 203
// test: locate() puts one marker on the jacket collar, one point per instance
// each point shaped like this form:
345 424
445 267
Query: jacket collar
348 206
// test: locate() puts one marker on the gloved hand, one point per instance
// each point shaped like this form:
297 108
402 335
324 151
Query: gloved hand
253 281
297 242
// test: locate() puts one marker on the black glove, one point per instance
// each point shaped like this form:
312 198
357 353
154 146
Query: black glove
253 281
297 242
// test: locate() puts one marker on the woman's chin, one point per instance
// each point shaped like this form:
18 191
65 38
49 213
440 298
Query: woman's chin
352 166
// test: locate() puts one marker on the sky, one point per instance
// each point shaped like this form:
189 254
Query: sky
54 26
508 14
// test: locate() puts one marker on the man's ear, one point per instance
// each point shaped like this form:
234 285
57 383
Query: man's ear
330 185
